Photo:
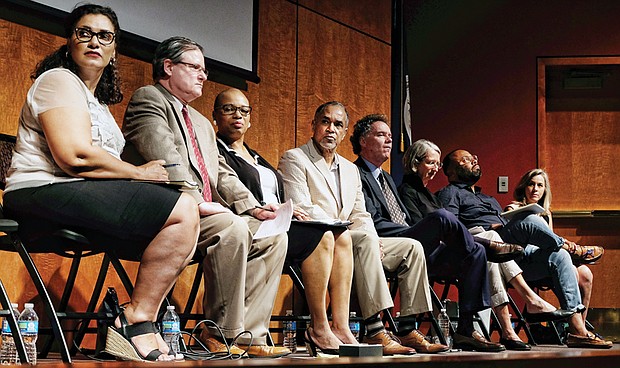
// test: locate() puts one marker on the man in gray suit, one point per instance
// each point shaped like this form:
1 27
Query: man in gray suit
241 275
328 186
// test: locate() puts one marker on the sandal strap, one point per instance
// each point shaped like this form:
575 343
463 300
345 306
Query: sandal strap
153 355
141 328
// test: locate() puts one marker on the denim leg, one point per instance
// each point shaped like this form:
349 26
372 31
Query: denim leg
538 263
531 229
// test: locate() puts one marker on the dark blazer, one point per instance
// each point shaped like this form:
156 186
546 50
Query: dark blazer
247 173
418 200
376 204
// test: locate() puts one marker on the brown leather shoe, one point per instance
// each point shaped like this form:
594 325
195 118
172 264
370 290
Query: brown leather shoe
265 351
590 341
390 344
476 342
415 339
215 345
500 252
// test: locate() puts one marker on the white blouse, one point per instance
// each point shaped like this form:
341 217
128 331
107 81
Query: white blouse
32 164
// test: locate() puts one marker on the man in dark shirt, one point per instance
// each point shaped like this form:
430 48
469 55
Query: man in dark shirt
543 257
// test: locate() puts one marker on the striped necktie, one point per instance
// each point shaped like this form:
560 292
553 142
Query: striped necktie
396 213
206 186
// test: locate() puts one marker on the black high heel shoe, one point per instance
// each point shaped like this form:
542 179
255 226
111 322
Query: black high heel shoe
118 340
312 347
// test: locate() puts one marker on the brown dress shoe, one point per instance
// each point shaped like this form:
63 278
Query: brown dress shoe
476 342
500 252
590 341
215 345
265 351
415 339
390 344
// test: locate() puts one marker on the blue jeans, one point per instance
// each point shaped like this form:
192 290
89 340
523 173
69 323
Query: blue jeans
544 258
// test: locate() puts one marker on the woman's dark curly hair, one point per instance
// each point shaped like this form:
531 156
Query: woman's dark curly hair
108 89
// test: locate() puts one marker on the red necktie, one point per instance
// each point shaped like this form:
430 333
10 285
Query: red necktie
206 186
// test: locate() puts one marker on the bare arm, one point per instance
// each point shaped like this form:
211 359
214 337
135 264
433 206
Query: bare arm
68 134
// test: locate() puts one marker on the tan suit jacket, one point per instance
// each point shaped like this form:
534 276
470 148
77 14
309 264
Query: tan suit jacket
155 130
309 183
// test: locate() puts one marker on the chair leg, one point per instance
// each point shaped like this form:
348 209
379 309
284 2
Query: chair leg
521 322
439 305
47 302
120 271
10 317
191 298
92 305
64 299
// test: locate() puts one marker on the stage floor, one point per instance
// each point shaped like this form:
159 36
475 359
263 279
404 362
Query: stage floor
542 356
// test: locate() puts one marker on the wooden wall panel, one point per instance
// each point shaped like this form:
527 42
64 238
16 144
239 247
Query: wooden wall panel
338 63
369 16
580 155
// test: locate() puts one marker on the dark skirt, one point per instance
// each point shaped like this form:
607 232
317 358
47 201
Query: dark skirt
118 213
304 238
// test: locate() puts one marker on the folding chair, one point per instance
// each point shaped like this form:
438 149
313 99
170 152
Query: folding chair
67 243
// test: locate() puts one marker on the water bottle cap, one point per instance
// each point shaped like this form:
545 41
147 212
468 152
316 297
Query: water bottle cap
170 307
14 305
443 309
353 314
29 305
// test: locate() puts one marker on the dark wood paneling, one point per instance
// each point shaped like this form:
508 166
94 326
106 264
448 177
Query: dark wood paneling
369 16
337 63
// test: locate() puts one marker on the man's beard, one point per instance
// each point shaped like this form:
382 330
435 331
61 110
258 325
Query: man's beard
469 177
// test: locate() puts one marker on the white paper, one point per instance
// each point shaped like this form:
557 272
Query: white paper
278 225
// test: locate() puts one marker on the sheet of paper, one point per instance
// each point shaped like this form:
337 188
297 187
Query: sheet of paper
278 225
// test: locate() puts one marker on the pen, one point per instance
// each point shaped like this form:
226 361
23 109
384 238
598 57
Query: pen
264 208
171 165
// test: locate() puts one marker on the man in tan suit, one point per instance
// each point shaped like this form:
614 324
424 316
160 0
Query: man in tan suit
328 186
241 275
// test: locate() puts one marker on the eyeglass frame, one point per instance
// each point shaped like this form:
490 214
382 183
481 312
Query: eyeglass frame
236 108
196 68
437 164
468 159
93 34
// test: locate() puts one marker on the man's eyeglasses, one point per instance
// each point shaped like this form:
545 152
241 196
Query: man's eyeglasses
195 68
468 159
230 109
104 37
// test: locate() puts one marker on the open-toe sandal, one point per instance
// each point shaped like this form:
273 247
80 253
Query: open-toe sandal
118 340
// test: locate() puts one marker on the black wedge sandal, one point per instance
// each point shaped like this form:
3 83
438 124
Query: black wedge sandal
118 340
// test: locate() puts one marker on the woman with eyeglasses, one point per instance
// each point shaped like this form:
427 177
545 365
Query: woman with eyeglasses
66 171
325 254
422 161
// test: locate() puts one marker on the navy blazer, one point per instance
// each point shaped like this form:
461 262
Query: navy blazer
376 204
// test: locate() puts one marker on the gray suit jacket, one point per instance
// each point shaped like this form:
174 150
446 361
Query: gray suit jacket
308 182
154 129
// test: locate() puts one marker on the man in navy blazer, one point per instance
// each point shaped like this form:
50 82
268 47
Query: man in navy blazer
449 249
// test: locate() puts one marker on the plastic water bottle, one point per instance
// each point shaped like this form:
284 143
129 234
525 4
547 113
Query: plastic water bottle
171 329
8 352
290 332
444 326
354 325
29 328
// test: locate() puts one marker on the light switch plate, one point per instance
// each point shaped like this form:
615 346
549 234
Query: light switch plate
502 184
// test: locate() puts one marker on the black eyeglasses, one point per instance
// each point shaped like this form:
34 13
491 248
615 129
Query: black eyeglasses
195 67
230 109
104 37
